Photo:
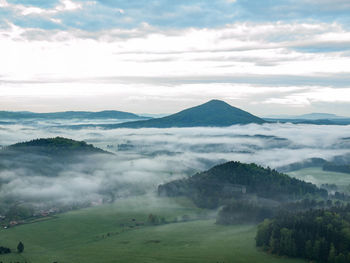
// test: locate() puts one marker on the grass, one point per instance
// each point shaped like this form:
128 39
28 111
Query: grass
102 234
317 176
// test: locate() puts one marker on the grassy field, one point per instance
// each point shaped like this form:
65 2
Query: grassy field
317 176
103 234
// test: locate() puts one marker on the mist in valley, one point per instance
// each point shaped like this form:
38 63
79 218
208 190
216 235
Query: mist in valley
144 158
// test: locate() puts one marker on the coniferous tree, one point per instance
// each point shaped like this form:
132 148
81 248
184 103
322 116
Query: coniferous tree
20 247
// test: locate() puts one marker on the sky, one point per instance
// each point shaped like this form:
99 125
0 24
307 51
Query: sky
161 56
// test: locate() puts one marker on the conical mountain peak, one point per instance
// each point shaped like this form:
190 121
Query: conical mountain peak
214 113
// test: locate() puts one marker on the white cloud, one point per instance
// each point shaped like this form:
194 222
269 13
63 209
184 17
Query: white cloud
63 6
4 3
69 5
311 95
118 63
193 51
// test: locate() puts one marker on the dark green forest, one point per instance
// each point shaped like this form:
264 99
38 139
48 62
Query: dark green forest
234 180
322 235
243 211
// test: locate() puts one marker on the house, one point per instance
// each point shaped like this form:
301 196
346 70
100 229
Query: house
13 223
44 213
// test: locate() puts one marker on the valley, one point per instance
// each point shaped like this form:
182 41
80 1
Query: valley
174 131
95 234
175 194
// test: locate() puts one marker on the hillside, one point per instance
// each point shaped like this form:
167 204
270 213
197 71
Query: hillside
214 113
58 146
108 114
45 156
340 163
310 162
241 181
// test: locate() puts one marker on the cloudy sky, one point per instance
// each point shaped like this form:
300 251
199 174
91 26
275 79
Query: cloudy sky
160 56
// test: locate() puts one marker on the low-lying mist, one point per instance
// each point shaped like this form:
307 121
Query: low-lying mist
145 158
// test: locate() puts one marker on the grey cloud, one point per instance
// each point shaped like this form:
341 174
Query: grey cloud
322 79
334 80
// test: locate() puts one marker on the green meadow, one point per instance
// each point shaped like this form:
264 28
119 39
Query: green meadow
317 176
108 233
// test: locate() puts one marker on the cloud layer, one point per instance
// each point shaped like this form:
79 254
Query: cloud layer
162 56
145 158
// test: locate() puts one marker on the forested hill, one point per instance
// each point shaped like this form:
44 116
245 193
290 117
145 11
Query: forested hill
238 180
46 156
214 113
58 146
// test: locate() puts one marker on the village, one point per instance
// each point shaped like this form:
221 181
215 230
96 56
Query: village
7 222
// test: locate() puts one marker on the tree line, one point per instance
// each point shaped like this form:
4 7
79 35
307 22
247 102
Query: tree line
322 235
6 250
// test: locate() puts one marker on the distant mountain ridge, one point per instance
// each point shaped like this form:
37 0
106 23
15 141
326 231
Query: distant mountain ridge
214 113
107 114
318 116
337 121
309 116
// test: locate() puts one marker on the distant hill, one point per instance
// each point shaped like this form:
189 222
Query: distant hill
214 113
319 116
52 146
340 163
235 180
46 156
310 162
309 116
108 114
340 121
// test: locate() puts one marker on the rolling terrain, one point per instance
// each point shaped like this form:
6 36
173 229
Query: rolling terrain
117 229
317 175
103 234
